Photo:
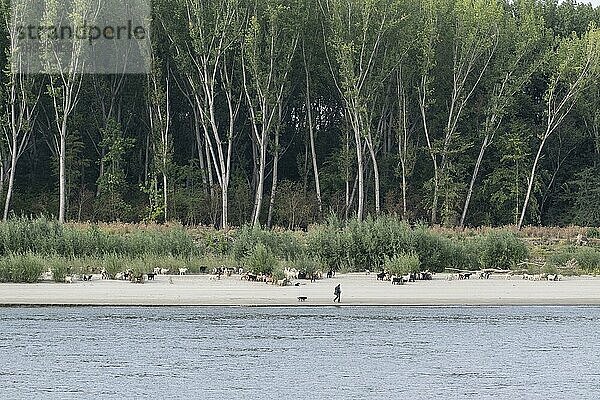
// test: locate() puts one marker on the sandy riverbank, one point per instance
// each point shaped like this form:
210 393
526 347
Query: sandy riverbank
357 289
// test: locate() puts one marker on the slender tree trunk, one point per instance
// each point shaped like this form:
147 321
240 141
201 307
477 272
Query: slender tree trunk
200 146
354 190
347 210
1 176
258 199
356 127
403 150
274 183
62 155
306 169
255 166
147 159
224 207
423 108
165 195
211 180
376 177
314 159
531 182
311 134
361 178
484 146
11 177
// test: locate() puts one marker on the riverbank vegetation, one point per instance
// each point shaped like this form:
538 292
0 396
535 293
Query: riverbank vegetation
30 248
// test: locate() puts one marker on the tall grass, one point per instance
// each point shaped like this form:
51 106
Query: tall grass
367 245
403 264
21 268
260 260
49 238
584 258
351 246
283 245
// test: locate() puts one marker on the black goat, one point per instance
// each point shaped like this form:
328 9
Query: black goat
397 280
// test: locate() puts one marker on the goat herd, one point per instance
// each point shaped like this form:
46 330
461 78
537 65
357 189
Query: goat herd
402 279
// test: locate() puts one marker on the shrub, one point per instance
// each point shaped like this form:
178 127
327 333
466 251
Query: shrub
21 268
434 250
587 258
216 242
593 233
278 273
549 269
138 267
503 250
5 271
306 264
260 260
390 237
60 270
467 254
329 244
283 245
403 264
113 264
361 246
48 238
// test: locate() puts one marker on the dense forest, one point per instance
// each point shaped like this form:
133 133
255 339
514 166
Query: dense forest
283 112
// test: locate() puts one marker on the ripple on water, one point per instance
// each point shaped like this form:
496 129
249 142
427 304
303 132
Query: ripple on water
301 353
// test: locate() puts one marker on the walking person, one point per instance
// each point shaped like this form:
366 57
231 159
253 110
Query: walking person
338 293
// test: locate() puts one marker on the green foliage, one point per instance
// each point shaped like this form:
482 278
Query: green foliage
283 245
277 273
260 260
329 244
434 250
113 265
403 264
21 268
503 250
585 258
217 242
549 269
584 191
306 264
593 233
368 244
466 254
138 267
112 186
60 269
49 238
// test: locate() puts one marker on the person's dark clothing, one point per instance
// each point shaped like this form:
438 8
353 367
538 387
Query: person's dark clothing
338 293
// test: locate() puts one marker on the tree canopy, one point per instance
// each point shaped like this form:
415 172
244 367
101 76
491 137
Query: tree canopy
279 112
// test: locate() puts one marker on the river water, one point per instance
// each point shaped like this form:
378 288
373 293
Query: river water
300 353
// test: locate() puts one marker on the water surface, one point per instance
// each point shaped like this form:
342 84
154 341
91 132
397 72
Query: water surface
300 353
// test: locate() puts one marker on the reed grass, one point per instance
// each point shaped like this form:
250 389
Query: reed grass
28 246
21 268
49 238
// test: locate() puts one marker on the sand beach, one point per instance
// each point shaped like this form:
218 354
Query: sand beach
357 289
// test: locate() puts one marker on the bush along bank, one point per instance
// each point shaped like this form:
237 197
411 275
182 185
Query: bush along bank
29 248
